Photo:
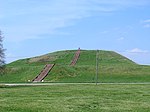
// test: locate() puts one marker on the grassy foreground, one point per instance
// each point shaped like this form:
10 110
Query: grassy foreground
75 98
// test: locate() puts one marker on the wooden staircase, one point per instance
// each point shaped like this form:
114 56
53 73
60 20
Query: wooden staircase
43 73
76 56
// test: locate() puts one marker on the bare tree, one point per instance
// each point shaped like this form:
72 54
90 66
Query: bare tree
2 54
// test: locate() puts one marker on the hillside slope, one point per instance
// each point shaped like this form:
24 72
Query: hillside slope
113 67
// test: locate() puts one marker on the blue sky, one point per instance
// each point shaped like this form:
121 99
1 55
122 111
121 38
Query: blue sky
36 27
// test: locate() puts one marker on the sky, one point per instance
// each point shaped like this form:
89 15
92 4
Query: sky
36 27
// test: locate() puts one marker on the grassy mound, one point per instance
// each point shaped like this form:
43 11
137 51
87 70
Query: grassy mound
113 67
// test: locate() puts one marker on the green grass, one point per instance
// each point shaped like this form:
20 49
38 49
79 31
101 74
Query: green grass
112 68
75 98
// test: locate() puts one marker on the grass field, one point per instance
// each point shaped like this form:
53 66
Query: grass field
125 88
75 98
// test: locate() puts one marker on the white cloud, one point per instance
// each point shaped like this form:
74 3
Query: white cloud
121 38
104 32
146 23
10 55
137 50
33 18
147 26
139 56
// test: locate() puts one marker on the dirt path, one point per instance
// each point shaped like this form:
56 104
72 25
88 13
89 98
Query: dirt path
49 84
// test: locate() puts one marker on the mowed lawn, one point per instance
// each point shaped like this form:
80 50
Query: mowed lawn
76 98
